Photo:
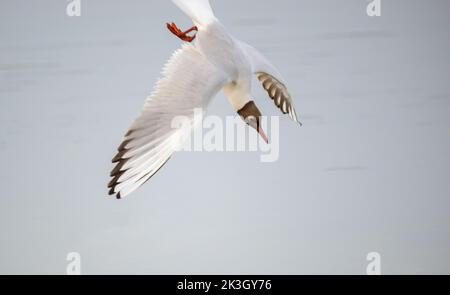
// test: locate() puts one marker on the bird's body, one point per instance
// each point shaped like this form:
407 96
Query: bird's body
222 50
191 78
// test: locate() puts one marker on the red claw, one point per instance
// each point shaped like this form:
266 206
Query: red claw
180 34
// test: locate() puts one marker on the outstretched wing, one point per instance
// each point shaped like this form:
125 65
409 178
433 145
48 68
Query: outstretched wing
271 80
189 81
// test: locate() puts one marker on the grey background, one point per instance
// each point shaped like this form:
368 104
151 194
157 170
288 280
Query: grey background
368 171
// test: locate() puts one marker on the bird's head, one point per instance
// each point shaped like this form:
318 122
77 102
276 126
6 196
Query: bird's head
252 116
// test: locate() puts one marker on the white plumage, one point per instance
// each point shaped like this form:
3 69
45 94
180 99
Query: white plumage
190 79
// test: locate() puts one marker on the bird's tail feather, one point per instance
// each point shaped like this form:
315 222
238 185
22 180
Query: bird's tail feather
198 10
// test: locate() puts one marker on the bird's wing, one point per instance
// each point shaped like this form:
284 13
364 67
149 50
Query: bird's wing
189 81
271 80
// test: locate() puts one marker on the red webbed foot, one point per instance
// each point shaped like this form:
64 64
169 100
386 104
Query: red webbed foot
180 34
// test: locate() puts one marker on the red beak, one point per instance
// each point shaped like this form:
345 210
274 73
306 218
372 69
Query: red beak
263 135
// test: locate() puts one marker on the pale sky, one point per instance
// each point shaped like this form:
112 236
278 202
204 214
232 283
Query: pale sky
367 172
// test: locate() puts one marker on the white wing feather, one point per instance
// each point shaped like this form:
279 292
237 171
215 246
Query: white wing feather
189 81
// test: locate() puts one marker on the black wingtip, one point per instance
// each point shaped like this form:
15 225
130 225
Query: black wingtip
117 195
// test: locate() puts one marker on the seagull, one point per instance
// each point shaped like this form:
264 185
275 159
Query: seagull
190 79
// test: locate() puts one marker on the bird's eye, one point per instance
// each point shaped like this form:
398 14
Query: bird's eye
252 121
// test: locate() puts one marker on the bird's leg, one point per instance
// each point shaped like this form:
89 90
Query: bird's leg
180 34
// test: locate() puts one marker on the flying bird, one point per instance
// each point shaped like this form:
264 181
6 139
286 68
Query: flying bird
191 78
